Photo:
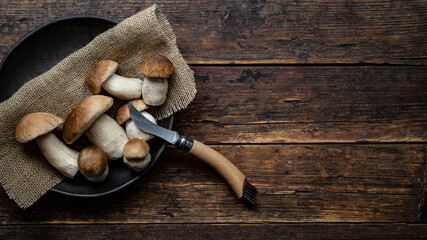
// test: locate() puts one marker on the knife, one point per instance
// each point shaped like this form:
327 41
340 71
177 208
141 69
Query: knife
231 174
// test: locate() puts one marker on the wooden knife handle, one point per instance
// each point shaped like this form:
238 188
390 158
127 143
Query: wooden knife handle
231 174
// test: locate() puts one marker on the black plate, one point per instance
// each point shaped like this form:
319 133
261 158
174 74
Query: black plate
40 50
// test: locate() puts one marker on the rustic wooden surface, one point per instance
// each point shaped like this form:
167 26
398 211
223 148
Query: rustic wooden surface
322 104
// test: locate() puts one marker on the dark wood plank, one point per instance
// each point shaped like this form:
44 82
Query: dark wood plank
307 104
258 31
296 183
217 231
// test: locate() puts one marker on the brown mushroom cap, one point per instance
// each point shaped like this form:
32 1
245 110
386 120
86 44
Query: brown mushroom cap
101 72
92 162
123 114
83 115
157 67
36 124
136 149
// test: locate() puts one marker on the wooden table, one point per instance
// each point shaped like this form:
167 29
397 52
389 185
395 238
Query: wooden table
322 104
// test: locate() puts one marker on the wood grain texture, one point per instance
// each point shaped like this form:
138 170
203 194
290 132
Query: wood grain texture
314 189
217 231
307 105
296 183
258 31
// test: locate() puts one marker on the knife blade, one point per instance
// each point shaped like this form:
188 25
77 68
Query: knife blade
231 174
147 126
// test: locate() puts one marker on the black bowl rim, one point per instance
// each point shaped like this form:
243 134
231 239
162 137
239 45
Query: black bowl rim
50 22
73 17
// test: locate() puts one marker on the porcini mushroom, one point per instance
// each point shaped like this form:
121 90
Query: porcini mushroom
156 70
93 164
88 117
132 130
39 126
137 154
103 75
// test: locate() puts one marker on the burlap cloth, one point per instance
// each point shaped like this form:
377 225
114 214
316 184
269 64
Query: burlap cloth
24 172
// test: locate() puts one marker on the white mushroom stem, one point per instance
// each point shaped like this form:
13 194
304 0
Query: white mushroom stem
59 155
107 134
154 91
123 88
138 164
133 131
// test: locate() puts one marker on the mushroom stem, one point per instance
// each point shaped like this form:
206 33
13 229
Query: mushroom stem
134 132
138 164
123 88
107 134
154 90
58 154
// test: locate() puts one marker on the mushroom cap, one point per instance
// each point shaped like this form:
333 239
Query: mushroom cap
123 113
136 149
92 162
83 115
36 124
157 66
101 72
